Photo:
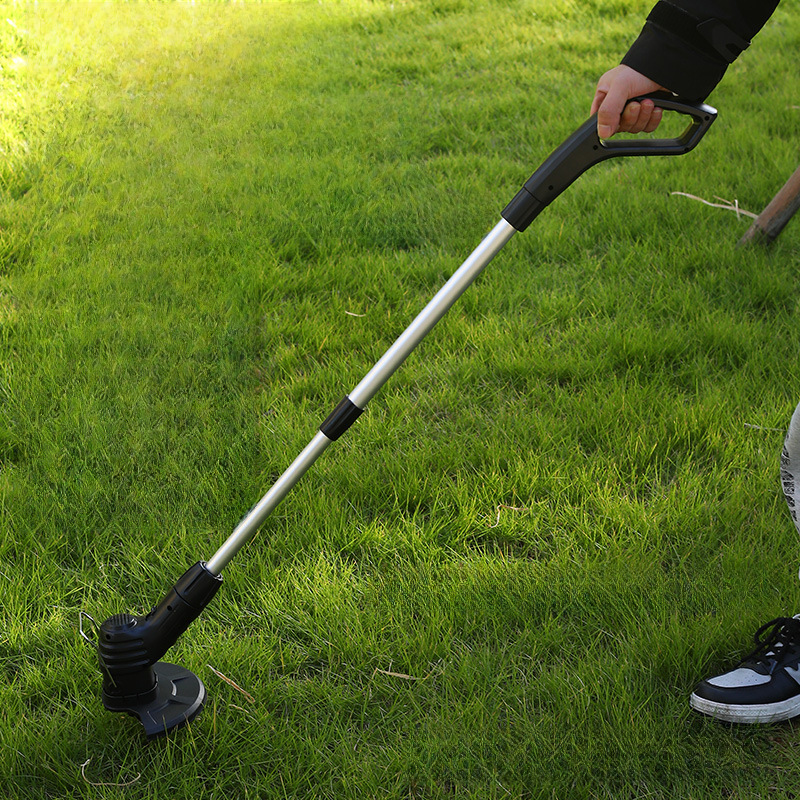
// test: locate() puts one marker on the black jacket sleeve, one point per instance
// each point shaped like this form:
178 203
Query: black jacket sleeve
686 45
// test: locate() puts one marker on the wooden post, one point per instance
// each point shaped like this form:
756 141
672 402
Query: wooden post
772 220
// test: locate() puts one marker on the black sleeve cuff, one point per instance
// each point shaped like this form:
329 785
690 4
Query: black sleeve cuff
711 36
673 63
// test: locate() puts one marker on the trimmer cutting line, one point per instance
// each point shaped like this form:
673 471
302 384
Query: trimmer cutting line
165 696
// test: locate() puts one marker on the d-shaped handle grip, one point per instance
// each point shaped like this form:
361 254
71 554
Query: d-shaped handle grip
584 149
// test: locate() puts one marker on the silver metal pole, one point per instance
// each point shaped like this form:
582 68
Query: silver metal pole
248 527
460 281
432 313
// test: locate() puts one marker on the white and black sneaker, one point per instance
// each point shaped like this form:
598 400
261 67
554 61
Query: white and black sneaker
765 687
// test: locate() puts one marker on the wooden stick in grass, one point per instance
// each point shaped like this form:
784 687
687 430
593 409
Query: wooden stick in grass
772 220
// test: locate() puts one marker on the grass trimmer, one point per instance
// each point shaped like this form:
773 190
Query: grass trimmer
165 696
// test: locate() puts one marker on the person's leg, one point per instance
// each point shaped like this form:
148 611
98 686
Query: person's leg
765 687
790 467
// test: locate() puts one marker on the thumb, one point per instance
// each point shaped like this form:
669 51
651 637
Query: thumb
610 110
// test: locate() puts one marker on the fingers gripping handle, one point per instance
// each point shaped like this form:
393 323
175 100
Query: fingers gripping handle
584 149
702 116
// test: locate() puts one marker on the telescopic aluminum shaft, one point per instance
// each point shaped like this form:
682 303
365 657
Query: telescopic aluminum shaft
564 165
350 408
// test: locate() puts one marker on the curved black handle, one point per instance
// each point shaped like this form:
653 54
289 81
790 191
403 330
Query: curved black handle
584 149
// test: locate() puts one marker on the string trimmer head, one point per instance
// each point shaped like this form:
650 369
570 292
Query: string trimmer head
162 696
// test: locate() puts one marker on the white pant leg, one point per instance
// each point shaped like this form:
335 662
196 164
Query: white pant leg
790 467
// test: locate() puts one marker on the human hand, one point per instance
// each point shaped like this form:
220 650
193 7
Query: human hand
614 89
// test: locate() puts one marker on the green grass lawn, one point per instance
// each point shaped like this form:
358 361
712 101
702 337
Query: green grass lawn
561 513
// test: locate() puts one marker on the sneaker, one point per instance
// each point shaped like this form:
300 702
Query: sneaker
765 687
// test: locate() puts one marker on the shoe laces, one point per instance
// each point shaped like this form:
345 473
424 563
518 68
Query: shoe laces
776 641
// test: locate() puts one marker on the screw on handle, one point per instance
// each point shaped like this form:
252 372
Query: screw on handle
584 149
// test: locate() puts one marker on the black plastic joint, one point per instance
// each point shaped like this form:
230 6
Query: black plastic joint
340 419
128 645
522 210
197 586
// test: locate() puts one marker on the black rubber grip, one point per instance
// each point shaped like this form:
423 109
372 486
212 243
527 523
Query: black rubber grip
584 149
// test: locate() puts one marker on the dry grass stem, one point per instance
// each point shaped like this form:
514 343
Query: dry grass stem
93 783
247 695
391 674
762 427
725 204
503 507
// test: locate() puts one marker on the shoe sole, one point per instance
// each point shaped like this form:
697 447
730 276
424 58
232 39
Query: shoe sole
751 714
